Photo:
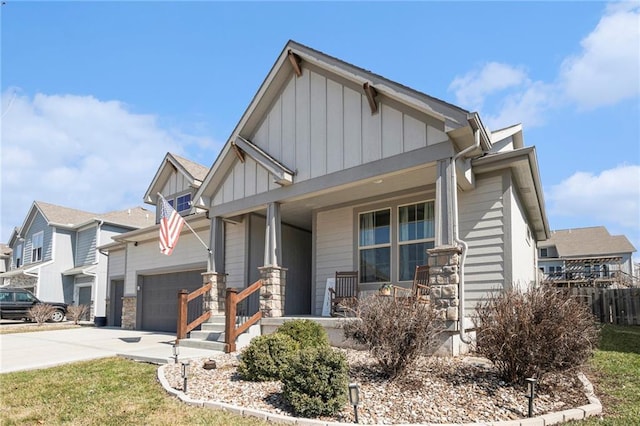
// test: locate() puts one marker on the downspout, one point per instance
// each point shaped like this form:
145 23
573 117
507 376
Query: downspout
456 236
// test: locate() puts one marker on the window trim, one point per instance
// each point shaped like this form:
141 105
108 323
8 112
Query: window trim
422 240
375 246
427 195
37 251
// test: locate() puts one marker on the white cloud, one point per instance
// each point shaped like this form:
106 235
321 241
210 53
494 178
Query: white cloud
607 70
527 106
612 197
472 88
81 152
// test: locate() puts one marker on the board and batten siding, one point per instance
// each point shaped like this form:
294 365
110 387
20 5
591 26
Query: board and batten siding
333 249
482 227
235 252
38 224
318 126
86 246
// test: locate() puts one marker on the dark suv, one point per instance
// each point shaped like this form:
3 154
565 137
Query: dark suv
16 302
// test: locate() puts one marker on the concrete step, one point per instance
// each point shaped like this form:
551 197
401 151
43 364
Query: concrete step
202 344
207 335
207 326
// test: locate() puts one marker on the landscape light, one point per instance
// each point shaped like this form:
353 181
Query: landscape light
531 393
176 352
185 373
354 398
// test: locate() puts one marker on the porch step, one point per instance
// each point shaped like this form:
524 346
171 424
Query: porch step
211 336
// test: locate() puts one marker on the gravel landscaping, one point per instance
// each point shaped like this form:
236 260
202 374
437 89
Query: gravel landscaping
439 390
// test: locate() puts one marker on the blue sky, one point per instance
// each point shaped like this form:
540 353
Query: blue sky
95 93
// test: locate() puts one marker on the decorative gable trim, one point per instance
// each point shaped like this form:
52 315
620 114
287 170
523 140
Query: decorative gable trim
283 175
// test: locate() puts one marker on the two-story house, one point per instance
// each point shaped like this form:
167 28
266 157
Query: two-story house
334 168
55 255
586 256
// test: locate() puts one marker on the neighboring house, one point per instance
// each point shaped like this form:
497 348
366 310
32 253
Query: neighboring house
586 256
55 253
334 168
5 260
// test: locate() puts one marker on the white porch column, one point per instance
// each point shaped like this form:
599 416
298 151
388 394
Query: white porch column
444 204
272 240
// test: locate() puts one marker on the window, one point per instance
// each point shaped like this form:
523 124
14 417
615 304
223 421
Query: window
543 252
184 202
18 255
36 246
416 230
374 246
24 297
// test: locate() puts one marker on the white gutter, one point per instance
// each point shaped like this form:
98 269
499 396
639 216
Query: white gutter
456 236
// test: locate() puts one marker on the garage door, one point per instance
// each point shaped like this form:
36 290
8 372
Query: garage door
159 298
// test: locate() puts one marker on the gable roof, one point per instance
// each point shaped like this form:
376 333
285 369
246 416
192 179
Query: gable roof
587 242
69 218
452 116
192 171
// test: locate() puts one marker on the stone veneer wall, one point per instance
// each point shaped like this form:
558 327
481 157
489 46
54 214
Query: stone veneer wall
214 300
274 280
129 312
444 279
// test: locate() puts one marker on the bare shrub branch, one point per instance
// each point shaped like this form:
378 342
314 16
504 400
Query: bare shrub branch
534 333
395 330
41 313
76 312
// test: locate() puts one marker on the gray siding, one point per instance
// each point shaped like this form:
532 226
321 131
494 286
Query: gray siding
86 247
318 126
482 226
235 254
38 224
333 249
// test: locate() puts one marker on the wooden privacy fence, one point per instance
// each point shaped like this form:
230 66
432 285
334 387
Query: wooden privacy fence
619 306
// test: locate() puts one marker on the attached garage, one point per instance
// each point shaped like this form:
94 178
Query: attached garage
158 298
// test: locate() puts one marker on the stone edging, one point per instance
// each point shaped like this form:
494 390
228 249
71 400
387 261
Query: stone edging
592 409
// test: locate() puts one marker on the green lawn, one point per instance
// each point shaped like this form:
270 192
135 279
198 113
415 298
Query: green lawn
115 391
110 391
615 373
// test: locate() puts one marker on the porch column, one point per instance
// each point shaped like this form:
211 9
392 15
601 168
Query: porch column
444 204
274 277
129 312
214 300
444 277
272 240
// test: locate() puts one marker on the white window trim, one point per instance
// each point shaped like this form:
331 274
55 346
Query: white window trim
34 248
375 246
399 243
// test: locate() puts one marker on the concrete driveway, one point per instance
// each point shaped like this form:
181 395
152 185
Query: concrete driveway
42 349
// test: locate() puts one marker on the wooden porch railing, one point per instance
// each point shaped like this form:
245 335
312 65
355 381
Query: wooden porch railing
184 297
231 328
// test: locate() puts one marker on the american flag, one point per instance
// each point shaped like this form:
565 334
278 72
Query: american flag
170 227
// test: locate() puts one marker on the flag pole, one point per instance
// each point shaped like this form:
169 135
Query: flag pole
190 228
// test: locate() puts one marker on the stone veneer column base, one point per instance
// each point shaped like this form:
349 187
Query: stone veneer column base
272 293
214 300
129 304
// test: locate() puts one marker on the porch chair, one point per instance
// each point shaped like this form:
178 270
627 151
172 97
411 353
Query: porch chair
419 291
344 295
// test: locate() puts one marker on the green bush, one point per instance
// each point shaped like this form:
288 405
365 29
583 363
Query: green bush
534 333
306 332
266 357
316 381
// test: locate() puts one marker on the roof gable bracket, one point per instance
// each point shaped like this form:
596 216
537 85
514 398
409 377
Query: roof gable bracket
283 175
371 94
295 62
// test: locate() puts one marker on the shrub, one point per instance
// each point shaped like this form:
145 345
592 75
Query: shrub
77 312
266 357
306 332
41 313
534 333
395 330
316 381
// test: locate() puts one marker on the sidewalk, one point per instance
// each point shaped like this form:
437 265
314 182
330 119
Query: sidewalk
42 349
